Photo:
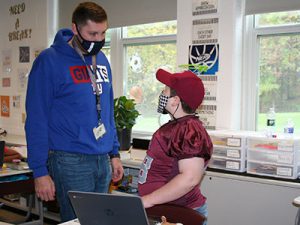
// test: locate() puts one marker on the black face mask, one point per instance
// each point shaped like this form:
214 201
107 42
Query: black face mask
91 47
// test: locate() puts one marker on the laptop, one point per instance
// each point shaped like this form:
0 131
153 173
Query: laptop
108 209
2 144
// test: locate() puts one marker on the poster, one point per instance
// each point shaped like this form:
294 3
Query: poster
205 31
6 82
16 101
207 114
24 54
22 79
6 61
210 84
204 59
5 106
200 7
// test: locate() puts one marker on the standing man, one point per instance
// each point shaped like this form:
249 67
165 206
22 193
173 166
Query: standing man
70 129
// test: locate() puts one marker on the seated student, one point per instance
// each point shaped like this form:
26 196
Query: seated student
180 149
10 154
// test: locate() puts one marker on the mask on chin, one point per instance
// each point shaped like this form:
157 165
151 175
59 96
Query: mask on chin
90 47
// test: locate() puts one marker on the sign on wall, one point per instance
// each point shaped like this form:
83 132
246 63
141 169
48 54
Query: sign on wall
5 110
200 7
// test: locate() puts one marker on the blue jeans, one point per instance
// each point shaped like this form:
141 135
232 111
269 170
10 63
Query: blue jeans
77 172
203 211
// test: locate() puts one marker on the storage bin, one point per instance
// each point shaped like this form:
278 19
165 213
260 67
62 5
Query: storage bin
274 144
229 152
276 157
273 170
227 164
271 156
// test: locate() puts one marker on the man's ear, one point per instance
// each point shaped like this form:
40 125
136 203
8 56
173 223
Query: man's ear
176 100
74 29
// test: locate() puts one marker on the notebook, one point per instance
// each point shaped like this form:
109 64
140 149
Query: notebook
108 209
2 144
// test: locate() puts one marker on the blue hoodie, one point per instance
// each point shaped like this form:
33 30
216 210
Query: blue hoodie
61 105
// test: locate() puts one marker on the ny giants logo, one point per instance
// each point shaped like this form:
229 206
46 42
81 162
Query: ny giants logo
80 75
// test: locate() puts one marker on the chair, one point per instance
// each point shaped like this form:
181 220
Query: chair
175 214
296 202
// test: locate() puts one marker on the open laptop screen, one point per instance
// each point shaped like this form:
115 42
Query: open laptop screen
108 209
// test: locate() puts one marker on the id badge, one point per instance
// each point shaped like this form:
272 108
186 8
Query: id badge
99 131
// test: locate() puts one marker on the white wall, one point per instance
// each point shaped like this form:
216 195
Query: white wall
230 14
35 17
124 12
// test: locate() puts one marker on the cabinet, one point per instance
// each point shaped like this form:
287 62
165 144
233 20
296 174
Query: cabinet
243 200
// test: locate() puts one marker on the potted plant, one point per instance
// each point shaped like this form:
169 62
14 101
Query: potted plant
125 117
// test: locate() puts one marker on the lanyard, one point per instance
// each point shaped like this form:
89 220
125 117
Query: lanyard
92 75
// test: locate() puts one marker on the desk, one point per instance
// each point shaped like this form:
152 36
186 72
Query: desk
20 186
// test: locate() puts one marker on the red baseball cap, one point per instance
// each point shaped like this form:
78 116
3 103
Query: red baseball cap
187 85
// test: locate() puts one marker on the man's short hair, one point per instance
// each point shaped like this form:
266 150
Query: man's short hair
185 107
88 11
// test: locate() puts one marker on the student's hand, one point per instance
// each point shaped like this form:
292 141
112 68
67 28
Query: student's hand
44 188
117 169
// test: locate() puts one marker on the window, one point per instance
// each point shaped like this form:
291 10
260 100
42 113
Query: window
146 48
277 39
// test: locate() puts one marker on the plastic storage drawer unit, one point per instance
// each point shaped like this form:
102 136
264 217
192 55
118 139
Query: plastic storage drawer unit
276 157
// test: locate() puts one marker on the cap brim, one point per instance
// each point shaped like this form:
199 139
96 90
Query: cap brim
164 77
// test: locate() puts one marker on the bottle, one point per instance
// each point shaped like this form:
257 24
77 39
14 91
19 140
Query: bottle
271 118
289 128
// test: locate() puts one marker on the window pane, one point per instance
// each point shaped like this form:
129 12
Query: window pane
106 51
108 35
142 61
277 19
151 29
279 85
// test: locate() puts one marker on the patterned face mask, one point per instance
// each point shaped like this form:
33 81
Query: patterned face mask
162 103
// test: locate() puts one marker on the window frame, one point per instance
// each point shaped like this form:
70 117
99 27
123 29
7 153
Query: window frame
250 83
118 46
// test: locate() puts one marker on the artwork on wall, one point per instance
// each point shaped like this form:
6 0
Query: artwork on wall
204 59
16 101
24 54
5 110
6 61
6 82
22 79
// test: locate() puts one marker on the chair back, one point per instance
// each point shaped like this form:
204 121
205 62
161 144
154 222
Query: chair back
2 145
175 214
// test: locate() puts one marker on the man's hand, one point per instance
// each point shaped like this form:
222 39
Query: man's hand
117 169
44 188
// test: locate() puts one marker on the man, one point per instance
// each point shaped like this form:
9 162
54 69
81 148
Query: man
70 127
180 149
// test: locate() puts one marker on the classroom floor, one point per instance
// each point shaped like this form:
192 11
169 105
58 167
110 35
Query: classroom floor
15 217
